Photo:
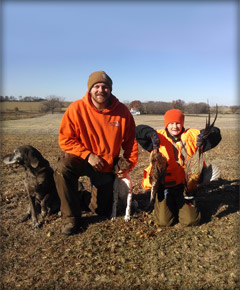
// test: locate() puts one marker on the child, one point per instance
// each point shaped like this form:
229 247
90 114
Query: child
177 145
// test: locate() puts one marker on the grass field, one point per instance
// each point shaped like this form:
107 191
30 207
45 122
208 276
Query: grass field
22 106
119 255
22 110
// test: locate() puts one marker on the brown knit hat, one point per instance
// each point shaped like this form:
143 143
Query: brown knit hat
99 77
172 116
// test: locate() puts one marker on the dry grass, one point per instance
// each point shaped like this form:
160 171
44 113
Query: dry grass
22 106
119 255
21 110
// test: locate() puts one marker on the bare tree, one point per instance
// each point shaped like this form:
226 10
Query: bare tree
137 105
157 107
235 109
178 104
196 108
52 102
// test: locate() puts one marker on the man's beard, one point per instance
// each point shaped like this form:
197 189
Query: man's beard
101 94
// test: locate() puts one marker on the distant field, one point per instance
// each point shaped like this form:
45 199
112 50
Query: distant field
22 106
23 110
50 123
191 121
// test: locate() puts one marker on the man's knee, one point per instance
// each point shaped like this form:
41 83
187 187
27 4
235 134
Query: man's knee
70 164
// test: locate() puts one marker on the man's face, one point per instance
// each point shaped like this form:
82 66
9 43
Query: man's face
174 128
100 94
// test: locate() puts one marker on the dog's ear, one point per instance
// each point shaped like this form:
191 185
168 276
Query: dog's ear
13 158
122 164
8 159
33 159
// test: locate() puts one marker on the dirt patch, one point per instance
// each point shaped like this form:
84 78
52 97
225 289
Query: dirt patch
119 255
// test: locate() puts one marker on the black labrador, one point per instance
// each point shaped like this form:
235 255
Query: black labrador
39 182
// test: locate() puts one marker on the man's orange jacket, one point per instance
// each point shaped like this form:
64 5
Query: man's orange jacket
86 130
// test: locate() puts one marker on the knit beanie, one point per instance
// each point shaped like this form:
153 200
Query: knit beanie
172 116
99 77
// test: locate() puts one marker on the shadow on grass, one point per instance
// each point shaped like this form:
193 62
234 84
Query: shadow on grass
86 221
220 198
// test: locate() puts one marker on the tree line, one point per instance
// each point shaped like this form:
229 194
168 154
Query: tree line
20 99
160 108
53 102
49 104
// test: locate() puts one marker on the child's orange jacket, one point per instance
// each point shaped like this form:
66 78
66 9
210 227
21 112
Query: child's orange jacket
176 154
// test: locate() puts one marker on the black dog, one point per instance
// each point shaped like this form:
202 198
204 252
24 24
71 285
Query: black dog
39 182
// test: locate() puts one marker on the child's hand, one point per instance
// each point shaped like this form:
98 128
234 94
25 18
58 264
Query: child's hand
155 140
200 139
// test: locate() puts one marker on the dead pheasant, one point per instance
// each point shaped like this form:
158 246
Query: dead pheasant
200 174
157 173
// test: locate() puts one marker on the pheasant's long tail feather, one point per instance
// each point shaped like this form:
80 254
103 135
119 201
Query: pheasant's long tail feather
209 173
208 126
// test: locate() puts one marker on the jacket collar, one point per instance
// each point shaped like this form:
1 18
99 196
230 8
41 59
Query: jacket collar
177 138
113 100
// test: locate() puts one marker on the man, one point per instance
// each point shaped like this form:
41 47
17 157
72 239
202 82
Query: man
92 132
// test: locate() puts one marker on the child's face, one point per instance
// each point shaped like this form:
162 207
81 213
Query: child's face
174 128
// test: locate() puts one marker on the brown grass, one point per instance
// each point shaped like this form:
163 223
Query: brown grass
119 255
24 110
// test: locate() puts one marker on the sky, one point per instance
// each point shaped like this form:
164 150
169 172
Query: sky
152 50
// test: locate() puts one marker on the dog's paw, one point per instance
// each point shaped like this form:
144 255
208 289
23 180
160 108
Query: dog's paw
36 226
25 218
127 218
44 213
113 218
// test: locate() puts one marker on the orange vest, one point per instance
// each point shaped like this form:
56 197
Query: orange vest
177 155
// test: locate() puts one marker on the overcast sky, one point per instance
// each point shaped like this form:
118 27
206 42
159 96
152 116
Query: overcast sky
152 50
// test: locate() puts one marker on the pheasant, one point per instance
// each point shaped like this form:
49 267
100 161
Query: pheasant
197 173
157 173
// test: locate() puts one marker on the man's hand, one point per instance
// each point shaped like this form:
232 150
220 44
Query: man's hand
96 162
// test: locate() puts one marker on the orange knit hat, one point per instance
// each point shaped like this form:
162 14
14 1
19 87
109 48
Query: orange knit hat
173 115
